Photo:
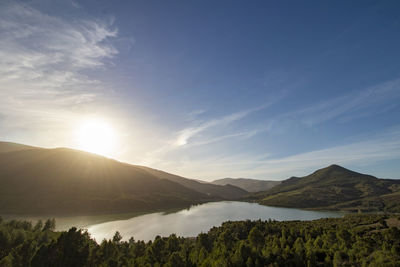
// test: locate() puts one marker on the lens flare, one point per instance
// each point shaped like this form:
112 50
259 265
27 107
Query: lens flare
96 136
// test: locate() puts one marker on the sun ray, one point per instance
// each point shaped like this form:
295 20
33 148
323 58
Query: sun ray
96 136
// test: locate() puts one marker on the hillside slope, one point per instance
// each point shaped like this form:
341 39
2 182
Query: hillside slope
66 181
250 185
229 192
334 187
9 147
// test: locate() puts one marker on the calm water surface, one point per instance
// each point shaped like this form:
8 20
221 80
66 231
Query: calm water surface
197 219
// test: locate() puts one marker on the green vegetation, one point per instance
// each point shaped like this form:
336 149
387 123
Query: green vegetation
355 240
250 185
62 181
335 188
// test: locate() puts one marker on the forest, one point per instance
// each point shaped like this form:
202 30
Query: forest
354 240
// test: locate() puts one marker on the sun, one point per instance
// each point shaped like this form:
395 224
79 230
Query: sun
96 136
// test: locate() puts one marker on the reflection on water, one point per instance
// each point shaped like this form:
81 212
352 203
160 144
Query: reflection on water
63 223
200 218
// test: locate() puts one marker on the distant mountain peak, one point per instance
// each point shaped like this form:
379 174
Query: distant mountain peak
336 167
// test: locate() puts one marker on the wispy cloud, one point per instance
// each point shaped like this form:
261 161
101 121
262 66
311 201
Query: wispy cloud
43 61
243 135
182 139
49 51
384 146
186 134
191 116
354 105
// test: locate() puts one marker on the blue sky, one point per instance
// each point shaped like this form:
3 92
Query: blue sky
209 89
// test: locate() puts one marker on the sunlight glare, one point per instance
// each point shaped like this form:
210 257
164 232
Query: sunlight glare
96 136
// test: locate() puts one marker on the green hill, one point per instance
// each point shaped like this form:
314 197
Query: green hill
250 185
334 187
67 181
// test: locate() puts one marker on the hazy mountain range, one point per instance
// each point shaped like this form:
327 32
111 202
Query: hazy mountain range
250 185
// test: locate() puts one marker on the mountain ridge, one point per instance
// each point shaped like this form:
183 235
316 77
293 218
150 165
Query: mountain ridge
334 187
11 146
250 185
67 181
229 192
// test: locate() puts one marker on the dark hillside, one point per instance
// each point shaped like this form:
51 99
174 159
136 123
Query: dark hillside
66 181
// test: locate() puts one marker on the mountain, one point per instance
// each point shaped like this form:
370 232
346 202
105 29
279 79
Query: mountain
334 187
9 147
229 192
67 181
250 185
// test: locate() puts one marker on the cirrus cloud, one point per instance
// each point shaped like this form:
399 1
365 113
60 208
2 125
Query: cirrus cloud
43 63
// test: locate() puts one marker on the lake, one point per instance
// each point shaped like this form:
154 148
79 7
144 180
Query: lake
197 219
187 222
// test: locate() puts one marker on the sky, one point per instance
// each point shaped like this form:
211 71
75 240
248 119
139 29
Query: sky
208 89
